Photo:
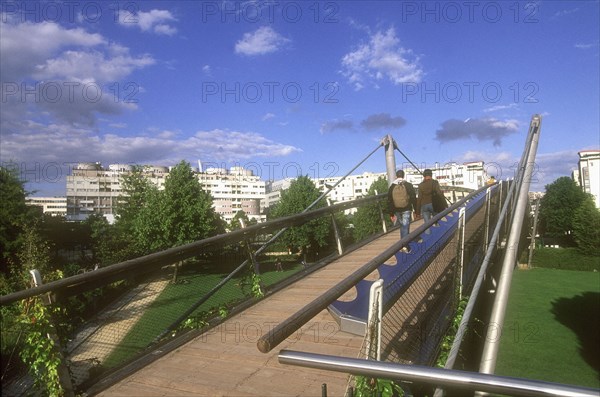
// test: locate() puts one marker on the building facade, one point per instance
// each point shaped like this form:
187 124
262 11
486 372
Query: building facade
589 173
55 206
92 188
234 190
470 176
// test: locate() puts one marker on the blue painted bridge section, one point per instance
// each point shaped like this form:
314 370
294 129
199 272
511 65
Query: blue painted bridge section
352 315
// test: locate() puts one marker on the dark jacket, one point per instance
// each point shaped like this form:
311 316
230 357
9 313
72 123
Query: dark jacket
426 189
411 194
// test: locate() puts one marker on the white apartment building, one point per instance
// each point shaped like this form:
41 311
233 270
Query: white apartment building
94 189
589 173
470 175
353 187
55 206
273 192
234 190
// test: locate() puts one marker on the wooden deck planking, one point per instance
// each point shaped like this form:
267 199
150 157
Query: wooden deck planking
226 361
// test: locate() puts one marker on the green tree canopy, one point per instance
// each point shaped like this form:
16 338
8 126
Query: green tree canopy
160 219
585 227
314 234
557 208
367 219
236 222
14 216
187 213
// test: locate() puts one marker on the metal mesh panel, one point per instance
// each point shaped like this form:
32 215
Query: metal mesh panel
415 323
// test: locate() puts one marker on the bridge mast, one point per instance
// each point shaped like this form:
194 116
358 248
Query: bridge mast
390 158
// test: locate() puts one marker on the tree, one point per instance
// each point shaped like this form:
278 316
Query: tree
312 235
236 222
187 209
14 216
367 219
585 227
557 209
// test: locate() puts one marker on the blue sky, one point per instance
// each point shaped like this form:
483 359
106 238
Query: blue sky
299 87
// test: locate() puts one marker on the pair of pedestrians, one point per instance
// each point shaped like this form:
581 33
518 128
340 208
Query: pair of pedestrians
403 200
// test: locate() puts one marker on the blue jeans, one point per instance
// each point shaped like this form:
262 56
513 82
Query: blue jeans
403 219
427 212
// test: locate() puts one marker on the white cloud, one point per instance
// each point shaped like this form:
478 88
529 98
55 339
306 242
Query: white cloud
66 74
501 107
151 21
381 58
25 45
263 41
71 144
90 66
585 46
268 116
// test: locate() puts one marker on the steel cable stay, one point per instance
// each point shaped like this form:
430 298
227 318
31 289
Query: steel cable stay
415 166
262 248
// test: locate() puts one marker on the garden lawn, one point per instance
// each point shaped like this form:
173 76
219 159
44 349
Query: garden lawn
552 327
175 299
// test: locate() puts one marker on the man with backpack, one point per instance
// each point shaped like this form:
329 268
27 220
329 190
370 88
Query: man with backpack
401 201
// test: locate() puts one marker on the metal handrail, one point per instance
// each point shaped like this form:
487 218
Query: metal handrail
466 318
463 380
147 263
491 345
279 333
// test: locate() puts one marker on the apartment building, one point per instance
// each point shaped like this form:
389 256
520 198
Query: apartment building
471 175
92 188
233 190
588 173
55 206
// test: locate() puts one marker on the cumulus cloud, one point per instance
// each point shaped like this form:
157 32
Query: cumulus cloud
547 167
26 45
264 40
381 58
381 121
485 129
160 147
61 74
156 21
336 125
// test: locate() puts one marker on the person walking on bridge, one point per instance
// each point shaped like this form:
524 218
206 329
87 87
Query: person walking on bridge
427 189
401 202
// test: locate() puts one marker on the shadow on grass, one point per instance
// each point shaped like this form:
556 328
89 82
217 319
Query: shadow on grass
580 314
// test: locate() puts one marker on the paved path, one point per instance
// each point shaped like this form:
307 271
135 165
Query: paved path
99 338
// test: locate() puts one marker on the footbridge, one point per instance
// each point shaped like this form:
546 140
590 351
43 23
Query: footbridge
192 321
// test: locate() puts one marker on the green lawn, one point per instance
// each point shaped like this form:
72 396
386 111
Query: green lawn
177 298
552 327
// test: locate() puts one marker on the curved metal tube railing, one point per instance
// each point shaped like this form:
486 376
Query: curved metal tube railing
279 333
90 280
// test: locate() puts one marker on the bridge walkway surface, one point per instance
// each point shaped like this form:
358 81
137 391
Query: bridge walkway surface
226 362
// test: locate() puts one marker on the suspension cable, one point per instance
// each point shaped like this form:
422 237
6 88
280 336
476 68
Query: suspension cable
403 155
263 247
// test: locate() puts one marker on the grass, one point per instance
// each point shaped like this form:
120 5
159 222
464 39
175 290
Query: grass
551 327
175 299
